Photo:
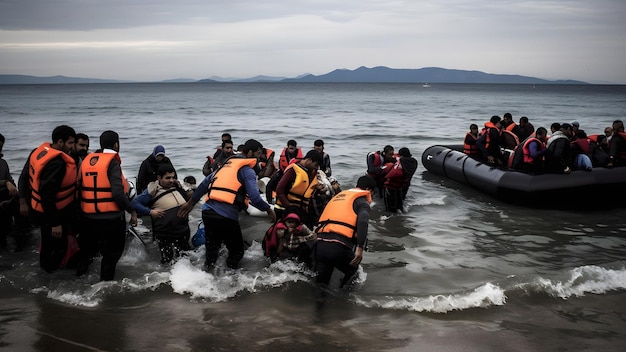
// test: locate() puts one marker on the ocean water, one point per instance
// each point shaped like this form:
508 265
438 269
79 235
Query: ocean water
458 271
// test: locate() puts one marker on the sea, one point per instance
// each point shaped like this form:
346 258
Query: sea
457 271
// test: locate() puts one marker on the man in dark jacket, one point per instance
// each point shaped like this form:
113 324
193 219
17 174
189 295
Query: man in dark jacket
150 166
489 142
558 154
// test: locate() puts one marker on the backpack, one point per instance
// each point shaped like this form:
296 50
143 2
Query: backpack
270 243
198 238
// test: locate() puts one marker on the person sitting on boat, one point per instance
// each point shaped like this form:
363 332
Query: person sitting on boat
378 164
559 154
580 151
289 238
162 200
526 129
509 125
489 142
608 132
599 150
469 144
555 126
529 154
617 145
398 180
575 130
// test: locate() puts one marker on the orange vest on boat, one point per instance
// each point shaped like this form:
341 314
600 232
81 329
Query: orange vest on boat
96 194
283 162
470 149
225 186
489 125
339 216
39 158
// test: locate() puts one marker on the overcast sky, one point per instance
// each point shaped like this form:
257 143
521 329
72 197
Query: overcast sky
152 40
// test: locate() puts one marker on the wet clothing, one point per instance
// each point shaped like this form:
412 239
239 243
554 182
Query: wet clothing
171 231
221 219
46 179
397 182
148 171
103 231
9 210
343 225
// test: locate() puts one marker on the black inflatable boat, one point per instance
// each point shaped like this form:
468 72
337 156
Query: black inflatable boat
601 186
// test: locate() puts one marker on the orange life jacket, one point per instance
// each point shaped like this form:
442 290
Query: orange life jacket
39 158
225 186
511 126
470 149
339 216
488 126
96 193
283 162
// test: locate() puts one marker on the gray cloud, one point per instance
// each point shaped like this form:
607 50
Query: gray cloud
141 39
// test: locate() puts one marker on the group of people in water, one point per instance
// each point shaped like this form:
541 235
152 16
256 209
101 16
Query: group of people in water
80 201
504 143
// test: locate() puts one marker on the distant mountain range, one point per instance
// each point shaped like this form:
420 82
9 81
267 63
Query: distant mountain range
378 74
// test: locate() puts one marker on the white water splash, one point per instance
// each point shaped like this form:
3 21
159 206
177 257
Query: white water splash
482 297
586 279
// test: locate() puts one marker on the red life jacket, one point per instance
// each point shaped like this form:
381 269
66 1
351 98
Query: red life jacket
526 149
283 162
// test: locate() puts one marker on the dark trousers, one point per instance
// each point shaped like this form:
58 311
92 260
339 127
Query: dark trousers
218 230
107 236
52 250
393 200
170 247
331 255
13 223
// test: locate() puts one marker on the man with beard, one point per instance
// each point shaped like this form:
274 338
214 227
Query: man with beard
51 173
161 200
81 148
